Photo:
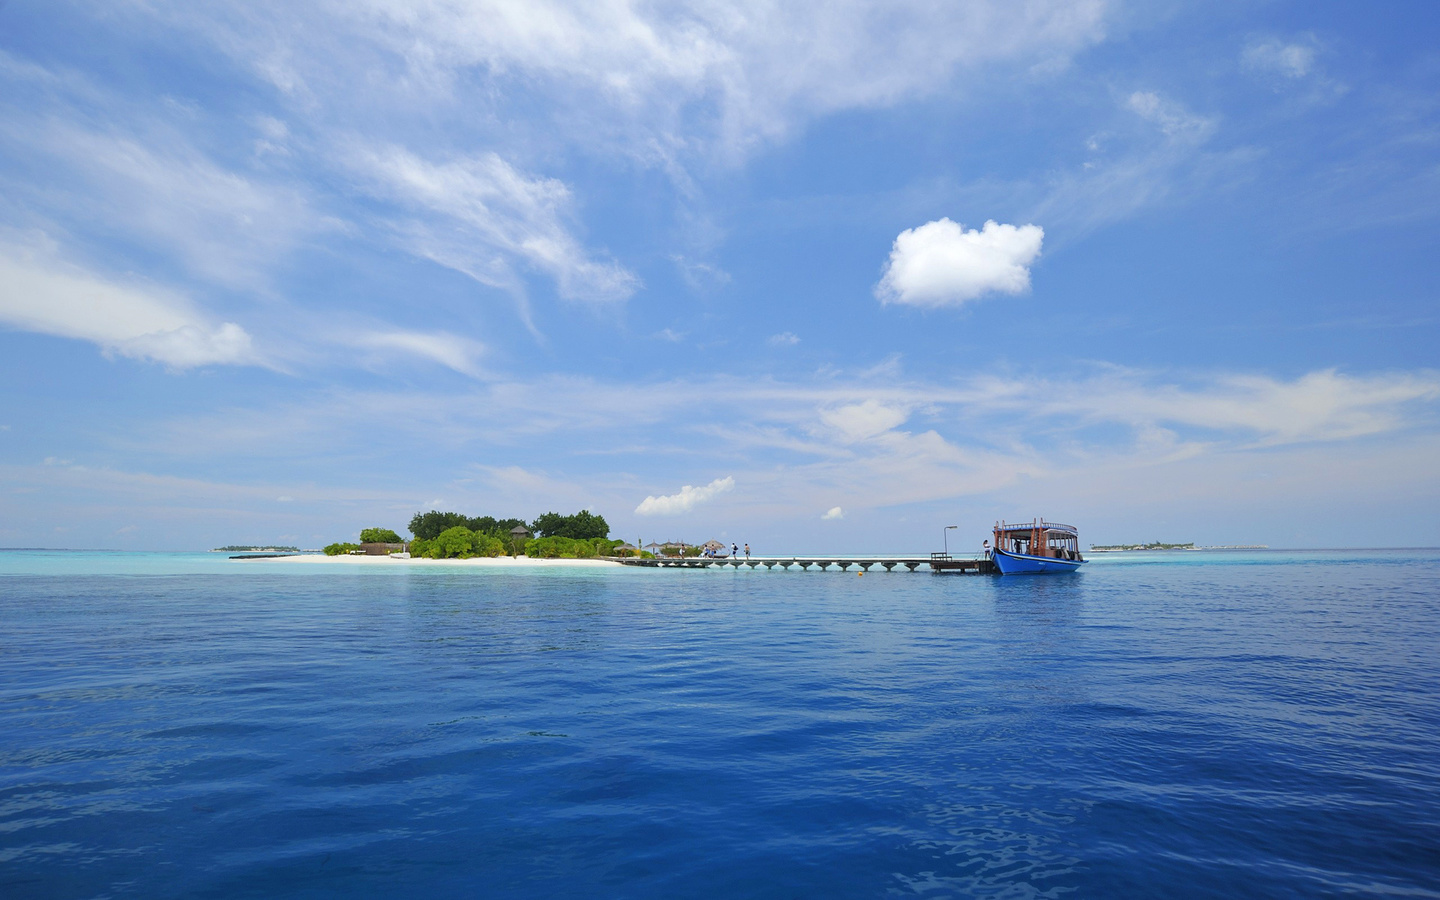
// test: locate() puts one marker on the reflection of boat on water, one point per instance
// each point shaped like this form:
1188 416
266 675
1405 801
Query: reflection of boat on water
1036 548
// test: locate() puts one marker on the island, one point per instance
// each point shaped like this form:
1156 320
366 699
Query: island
1160 545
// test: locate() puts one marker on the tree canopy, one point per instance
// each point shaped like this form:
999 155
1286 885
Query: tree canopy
583 525
379 536
457 542
427 526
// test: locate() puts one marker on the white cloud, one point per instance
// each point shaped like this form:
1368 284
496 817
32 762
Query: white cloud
42 295
833 513
688 498
1276 57
942 264
783 339
153 187
1320 406
859 421
450 350
1133 167
485 217
660 77
1174 119
991 438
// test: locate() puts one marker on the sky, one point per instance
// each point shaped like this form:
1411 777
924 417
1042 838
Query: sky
816 278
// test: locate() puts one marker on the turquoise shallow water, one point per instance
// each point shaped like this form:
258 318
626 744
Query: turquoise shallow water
1194 725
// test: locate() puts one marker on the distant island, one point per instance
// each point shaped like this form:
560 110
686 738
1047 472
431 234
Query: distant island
255 548
1159 545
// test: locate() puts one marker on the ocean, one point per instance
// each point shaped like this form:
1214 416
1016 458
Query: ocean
1214 724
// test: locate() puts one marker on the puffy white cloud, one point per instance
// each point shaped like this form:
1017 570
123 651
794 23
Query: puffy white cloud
482 216
942 264
43 295
833 513
1276 57
783 339
688 498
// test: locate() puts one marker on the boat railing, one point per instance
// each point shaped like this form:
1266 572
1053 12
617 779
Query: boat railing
1041 524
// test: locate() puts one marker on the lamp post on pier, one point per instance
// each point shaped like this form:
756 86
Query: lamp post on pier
945 538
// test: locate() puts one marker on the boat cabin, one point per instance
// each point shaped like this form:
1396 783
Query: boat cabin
1038 537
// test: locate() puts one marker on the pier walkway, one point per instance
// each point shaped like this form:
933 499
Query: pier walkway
937 563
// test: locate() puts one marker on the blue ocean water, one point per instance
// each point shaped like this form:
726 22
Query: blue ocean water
1178 725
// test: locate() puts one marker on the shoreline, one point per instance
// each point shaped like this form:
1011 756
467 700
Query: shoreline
494 561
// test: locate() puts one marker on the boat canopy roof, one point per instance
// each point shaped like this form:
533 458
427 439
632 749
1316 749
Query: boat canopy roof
1004 527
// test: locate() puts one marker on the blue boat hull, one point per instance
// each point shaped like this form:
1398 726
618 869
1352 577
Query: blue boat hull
1020 564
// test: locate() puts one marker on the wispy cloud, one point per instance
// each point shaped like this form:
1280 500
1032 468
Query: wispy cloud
859 443
148 186
859 421
450 350
659 80
1287 59
1161 153
1172 118
484 217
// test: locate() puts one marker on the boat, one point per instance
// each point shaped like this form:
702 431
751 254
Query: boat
1036 547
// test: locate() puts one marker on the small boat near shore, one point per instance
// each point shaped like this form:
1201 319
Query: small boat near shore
1037 547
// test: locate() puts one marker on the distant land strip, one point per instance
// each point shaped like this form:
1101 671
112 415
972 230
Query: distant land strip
1158 545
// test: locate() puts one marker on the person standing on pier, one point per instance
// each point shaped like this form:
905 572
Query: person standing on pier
747 551
734 551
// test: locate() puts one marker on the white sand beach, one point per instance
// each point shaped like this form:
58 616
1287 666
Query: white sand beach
495 562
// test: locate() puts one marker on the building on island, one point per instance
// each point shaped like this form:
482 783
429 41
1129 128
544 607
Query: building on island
382 549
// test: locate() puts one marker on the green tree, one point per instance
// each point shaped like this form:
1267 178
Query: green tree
580 526
488 545
427 526
556 547
340 549
452 543
379 536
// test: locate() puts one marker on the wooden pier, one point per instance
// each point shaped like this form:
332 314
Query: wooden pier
936 563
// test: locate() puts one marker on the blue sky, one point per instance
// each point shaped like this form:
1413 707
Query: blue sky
812 279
